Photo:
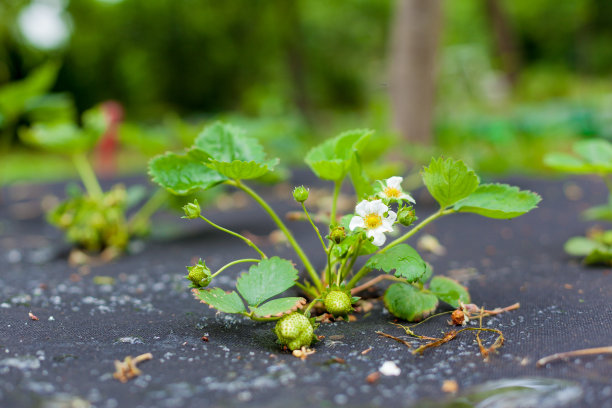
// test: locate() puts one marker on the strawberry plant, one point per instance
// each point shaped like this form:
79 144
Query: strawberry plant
93 219
354 245
589 157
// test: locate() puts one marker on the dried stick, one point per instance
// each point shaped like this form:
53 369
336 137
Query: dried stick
404 342
575 353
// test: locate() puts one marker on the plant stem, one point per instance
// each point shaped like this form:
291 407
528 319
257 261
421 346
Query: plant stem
416 229
332 217
245 239
329 271
315 227
224 267
312 303
296 247
148 208
88 177
307 290
260 319
358 276
355 256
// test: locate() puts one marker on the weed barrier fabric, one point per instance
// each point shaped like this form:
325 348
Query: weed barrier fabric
67 355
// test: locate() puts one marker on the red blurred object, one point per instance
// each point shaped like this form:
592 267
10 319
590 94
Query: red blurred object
108 147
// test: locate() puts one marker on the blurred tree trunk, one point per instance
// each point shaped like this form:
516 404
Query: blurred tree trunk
414 46
505 40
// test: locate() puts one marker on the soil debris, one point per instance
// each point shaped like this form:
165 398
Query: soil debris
450 386
126 370
32 316
303 353
373 377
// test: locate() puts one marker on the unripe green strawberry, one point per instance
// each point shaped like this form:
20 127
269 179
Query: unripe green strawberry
294 331
337 302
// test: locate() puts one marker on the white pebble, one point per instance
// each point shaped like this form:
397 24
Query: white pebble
389 368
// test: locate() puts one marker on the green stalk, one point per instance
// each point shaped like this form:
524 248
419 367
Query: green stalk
148 208
245 239
308 291
416 229
224 267
355 256
296 247
329 271
315 227
260 319
88 177
332 218
358 276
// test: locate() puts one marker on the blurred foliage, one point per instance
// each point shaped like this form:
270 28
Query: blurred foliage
293 72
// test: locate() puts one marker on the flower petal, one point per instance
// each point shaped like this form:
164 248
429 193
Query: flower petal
395 182
407 197
379 237
362 207
391 217
377 207
356 222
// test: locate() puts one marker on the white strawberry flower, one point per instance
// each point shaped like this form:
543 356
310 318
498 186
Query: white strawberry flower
391 189
370 215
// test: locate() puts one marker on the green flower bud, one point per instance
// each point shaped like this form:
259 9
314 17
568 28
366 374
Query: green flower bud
192 210
338 303
295 331
406 216
199 274
300 194
337 234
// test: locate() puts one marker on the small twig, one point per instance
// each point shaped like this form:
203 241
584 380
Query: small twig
373 282
404 342
126 370
575 353
447 337
499 310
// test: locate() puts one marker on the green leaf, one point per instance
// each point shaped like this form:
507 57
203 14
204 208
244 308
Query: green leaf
278 307
224 302
182 174
361 182
598 213
581 246
567 163
241 170
266 279
332 159
597 152
448 180
402 258
449 290
499 201
595 156
66 137
408 303
226 143
15 95
599 257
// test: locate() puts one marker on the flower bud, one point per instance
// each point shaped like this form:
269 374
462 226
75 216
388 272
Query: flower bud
300 194
199 274
406 216
192 210
337 234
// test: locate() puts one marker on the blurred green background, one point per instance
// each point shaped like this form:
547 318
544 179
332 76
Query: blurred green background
294 72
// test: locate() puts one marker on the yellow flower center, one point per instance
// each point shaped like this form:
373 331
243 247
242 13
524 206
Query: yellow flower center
372 221
392 192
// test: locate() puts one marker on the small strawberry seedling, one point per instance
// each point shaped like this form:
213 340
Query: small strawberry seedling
222 154
93 219
590 157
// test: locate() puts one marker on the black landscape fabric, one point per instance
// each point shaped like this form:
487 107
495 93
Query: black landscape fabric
86 322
